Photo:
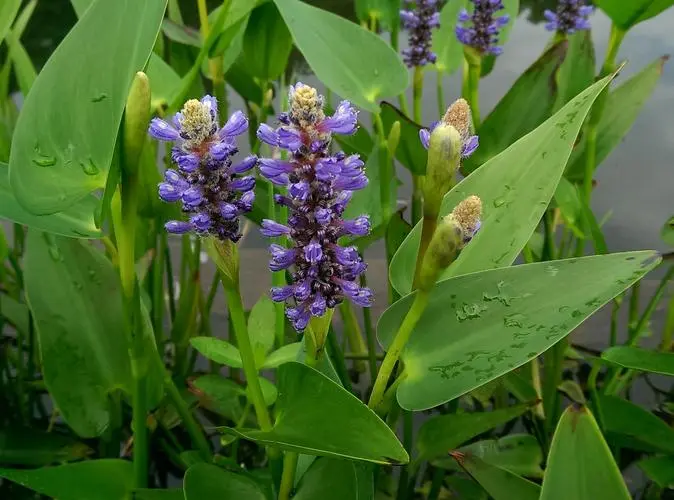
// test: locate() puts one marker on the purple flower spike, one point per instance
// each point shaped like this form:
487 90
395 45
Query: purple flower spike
480 30
571 16
206 182
319 187
419 20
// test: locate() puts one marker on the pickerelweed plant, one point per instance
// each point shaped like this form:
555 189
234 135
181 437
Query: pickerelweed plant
185 305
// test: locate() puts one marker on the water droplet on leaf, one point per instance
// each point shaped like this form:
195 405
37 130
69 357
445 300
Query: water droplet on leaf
89 167
499 201
99 97
44 161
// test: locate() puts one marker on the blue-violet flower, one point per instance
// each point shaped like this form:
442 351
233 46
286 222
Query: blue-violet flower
208 185
419 20
570 17
483 33
320 186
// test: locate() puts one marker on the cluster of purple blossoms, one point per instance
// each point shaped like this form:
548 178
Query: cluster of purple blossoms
208 185
571 16
483 34
419 21
319 187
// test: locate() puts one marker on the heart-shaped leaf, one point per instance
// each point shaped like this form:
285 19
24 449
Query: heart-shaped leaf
331 479
515 187
266 43
288 352
447 48
319 417
480 326
205 481
218 350
335 48
65 135
627 14
580 465
261 328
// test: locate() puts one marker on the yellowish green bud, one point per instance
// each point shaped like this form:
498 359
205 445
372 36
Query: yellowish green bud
444 155
393 139
136 120
225 254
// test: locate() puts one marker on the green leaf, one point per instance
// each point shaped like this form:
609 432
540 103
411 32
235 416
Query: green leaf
330 479
266 43
515 187
221 395
164 82
480 326
269 391
631 426
667 231
8 11
410 152
580 465
499 483
517 453
17 313
447 48
335 48
288 352
577 71
443 433
641 359
65 135
105 479
623 105
84 351
318 417
659 469
528 103
627 14
218 350
34 448
148 494
569 204
206 481
76 221
180 33
261 323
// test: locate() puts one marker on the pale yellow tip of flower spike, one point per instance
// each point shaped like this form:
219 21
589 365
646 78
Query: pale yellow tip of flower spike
306 105
459 116
468 213
196 121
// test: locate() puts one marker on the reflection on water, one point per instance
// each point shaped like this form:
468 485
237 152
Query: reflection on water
635 182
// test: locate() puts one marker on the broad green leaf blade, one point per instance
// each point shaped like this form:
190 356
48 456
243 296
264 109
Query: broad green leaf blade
499 483
164 82
515 187
269 391
331 479
288 352
221 395
580 465
627 14
569 204
622 108
528 103
17 313
8 11
443 433
318 417
517 453
641 359
577 72
659 469
631 426
410 151
105 479
335 48
26 447
76 221
447 48
206 481
266 43
65 136
480 326
218 350
84 351
181 33
261 323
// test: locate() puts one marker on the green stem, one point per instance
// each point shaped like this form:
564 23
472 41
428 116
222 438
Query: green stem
615 309
440 95
353 333
193 428
408 442
288 477
471 86
633 317
395 350
552 370
427 229
668 329
338 360
436 483
370 336
140 432
236 313
417 99
158 288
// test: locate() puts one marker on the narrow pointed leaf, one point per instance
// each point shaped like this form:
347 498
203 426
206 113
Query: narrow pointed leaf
580 464
205 481
267 43
577 71
659 469
261 323
33 448
288 352
105 479
447 48
515 187
218 350
65 136
318 417
480 326
335 48
641 359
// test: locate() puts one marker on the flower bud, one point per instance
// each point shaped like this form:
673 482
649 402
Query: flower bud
136 120
444 155
225 254
393 139
452 234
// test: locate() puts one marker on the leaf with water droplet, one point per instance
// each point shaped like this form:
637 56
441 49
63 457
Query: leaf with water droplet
100 97
45 161
499 201
89 167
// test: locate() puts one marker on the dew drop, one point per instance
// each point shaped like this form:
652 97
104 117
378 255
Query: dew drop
532 355
100 97
576 313
498 202
551 270
514 320
44 161
78 286
89 167
563 308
